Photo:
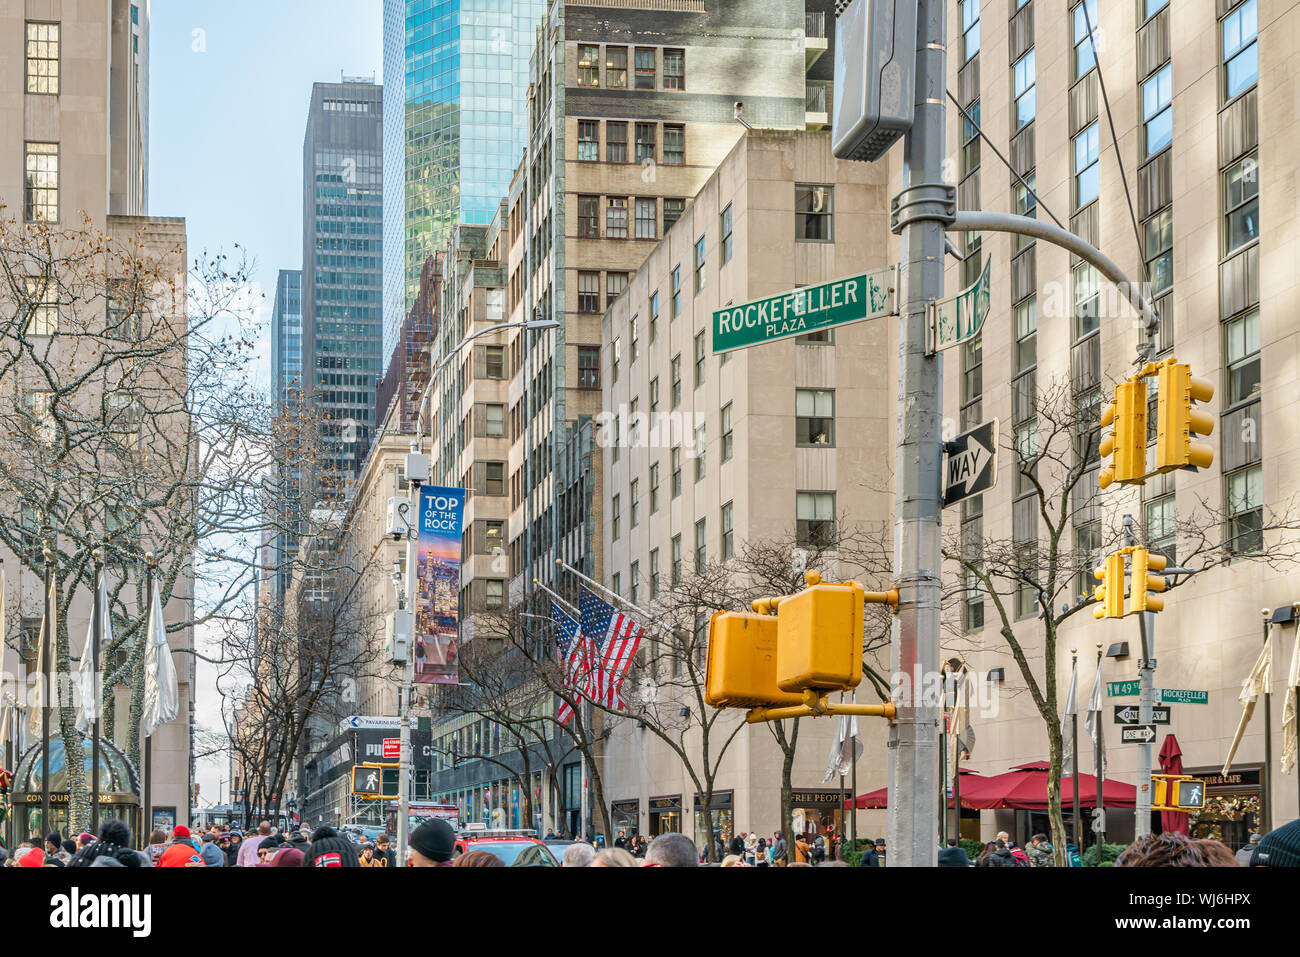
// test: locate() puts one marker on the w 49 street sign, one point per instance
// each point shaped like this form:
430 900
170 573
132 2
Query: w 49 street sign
810 309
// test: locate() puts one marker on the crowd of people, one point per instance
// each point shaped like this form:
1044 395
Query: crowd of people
433 844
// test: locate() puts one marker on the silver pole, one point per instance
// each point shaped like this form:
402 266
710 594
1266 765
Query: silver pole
408 679
913 740
1146 701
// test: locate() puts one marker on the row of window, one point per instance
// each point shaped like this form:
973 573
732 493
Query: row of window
634 217
644 146
645 68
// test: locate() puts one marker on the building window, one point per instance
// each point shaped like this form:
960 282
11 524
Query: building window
1026 205
645 68
701 538
589 292
589 217
1241 202
815 518
1158 250
495 361
814 208
1240 49
616 68
1158 110
588 367
615 284
970 29
494 593
1241 349
700 354
37 406
673 209
822 337
616 356
588 141
654 488
972 533
726 235
1160 517
728 532
1024 80
646 219
728 433
701 447
495 473
616 221
615 142
654 315
1087 166
43 58
654 573
676 381
972 371
674 69
41 186
675 300
675 464
814 411
654 395
674 145
677 559
634 501
634 574
1246 509
494 537
1026 447
1151 8
495 421
1087 300
645 142
633 332
615 516
588 65
44 317
1026 318
1085 57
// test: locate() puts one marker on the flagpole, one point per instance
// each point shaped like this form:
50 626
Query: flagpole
48 555
1266 779
97 636
1074 757
1101 771
612 594
147 824
943 769
554 595
956 759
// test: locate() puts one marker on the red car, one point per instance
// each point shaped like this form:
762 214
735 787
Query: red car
515 848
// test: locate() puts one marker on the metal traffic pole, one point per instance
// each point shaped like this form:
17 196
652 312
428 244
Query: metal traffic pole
1146 702
921 212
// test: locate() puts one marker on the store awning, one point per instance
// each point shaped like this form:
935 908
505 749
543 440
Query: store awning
1022 788
874 800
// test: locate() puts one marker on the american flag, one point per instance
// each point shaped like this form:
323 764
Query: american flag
571 647
613 638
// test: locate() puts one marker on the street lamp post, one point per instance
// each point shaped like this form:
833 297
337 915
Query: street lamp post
418 472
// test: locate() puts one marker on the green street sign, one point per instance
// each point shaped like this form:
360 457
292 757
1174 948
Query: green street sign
1122 689
959 319
1180 696
797 313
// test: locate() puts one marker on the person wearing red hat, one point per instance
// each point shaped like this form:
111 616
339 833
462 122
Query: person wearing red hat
180 854
181 835
33 858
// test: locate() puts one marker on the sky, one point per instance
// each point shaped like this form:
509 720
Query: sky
230 83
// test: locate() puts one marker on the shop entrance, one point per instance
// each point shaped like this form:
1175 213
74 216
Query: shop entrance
665 815
1233 806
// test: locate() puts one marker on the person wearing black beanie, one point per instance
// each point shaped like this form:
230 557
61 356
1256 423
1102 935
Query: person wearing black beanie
1279 848
329 850
432 844
115 842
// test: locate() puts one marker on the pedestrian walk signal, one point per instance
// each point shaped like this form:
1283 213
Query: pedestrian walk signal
375 780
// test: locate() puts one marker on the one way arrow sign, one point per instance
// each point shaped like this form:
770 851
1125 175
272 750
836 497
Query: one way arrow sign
1131 714
1138 734
972 464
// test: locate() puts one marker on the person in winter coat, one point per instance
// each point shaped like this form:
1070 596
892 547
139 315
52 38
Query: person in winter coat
780 853
1022 859
248 847
1244 855
157 844
874 856
181 835
211 853
954 855
229 844
1001 856
819 848
330 850
1040 852
802 850
114 842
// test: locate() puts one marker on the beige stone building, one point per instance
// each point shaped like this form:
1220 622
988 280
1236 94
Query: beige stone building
1205 101
74 111
778 442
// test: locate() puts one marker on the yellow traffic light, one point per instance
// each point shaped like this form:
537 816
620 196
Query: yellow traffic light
741 668
1127 441
1178 422
1110 593
820 637
1144 583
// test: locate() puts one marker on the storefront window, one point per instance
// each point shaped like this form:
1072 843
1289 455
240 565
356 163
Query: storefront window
1233 809
665 815
723 820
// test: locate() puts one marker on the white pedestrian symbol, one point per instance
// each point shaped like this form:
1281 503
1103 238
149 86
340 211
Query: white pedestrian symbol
372 780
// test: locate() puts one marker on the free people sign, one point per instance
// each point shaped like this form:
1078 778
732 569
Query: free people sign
797 313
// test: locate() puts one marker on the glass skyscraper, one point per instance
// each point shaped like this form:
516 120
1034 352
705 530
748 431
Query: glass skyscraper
455 112
286 336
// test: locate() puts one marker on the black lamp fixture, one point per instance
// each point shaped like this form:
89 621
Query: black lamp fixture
998 675
1118 650
1286 614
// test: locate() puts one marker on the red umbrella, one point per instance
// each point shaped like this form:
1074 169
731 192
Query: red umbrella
1025 788
1171 762
879 798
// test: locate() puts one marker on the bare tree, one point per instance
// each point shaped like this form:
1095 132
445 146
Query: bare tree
129 427
1040 576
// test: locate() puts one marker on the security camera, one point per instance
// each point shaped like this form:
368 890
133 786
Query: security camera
738 109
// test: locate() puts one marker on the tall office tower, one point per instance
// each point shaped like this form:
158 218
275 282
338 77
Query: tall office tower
286 336
342 266
74 94
455 79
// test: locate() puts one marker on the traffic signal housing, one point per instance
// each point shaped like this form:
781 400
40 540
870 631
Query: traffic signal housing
1144 583
1127 440
740 671
1110 593
1179 422
820 637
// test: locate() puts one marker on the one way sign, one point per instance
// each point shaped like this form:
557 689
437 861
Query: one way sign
1131 714
1138 734
972 464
